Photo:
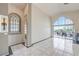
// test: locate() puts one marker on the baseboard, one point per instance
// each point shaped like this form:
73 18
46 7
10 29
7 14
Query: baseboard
40 41
17 44
32 43
29 46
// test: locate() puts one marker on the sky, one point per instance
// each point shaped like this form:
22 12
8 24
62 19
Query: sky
63 20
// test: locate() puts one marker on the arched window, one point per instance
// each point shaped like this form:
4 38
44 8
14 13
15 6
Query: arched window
63 25
14 23
63 34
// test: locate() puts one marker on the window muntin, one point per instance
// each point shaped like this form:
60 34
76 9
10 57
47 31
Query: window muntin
14 23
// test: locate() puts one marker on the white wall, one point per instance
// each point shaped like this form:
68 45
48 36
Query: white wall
16 38
40 25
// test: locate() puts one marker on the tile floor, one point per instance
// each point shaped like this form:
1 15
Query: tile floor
50 47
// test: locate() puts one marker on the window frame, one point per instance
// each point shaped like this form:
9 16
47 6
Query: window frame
14 32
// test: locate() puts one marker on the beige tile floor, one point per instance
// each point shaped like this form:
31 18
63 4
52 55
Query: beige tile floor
50 47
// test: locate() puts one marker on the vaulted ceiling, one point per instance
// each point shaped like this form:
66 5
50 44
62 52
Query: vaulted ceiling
20 6
53 8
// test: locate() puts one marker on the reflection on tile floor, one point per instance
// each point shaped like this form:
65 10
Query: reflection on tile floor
50 47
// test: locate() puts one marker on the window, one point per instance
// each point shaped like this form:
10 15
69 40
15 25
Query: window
14 23
63 26
25 28
25 25
3 23
63 21
63 33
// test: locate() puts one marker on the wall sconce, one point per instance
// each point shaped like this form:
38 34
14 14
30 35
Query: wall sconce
4 24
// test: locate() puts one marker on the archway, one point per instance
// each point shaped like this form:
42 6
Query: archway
63 34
